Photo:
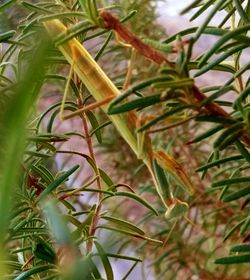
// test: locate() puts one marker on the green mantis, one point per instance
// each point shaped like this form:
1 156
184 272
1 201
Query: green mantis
103 90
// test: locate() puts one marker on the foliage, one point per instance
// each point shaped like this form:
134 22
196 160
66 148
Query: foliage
77 201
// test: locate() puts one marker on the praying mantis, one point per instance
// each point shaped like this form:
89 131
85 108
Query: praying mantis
103 91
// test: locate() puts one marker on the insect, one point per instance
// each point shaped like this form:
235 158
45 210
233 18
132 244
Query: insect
111 22
103 90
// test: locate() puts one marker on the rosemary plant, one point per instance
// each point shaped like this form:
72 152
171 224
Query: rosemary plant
112 155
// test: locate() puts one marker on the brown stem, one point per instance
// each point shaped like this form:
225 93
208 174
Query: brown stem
211 107
112 22
95 219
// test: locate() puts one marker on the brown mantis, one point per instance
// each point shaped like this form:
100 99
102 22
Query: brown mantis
103 90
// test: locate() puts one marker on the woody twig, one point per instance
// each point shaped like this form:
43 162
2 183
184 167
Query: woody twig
113 23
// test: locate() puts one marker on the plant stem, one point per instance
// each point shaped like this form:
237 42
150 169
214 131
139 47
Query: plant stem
95 219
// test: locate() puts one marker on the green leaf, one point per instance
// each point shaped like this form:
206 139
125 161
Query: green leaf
57 223
129 271
58 181
40 173
74 221
245 226
54 115
7 35
49 137
94 269
95 124
62 15
84 5
229 14
229 140
100 127
6 4
242 248
203 8
241 11
37 154
137 103
93 11
162 180
35 8
130 233
26 274
117 256
208 133
105 261
223 90
46 173
136 87
228 36
210 30
85 224
219 162
243 95
102 49
220 59
43 250
106 178
164 116
68 205
233 229
231 181
51 108
208 18
233 131
178 83
215 119
237 195
124 224
77 29
191 6
219 67
233 260
136 198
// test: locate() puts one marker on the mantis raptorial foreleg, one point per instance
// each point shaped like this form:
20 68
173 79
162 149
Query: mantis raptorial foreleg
87 108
